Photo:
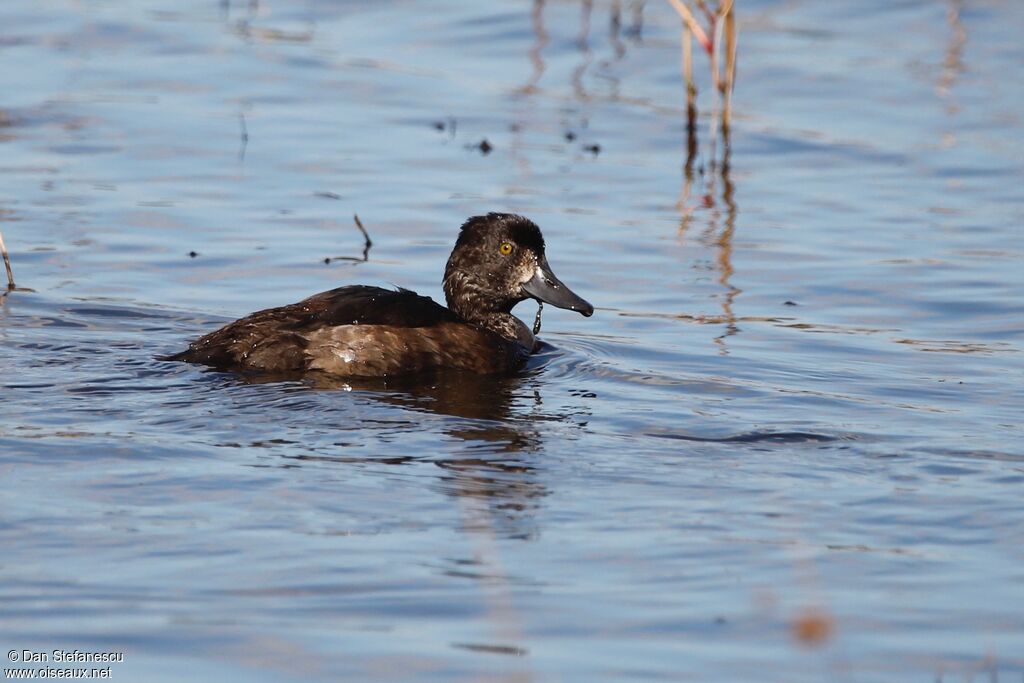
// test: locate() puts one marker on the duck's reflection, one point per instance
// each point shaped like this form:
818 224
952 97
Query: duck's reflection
492 474
487 453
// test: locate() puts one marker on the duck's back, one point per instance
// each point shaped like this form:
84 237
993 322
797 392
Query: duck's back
355 331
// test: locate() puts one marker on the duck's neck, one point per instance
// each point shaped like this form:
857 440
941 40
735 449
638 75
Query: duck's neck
468 300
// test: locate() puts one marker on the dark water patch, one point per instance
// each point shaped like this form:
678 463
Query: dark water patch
1000 456
113 312
800 144
755 437
493 649
84 149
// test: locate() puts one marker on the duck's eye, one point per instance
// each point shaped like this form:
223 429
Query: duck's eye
505 248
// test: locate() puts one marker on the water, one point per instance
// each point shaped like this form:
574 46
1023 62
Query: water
787 446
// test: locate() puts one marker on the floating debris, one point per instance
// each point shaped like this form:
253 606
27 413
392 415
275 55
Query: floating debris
813 627
448 124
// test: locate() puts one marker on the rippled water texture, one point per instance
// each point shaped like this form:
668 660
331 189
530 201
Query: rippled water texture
786 447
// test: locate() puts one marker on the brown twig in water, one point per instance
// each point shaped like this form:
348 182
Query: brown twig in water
366 235
366 246
7 264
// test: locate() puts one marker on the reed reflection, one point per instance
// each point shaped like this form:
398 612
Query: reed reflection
615 31
536 54
587 57
635 30
953 64
719 220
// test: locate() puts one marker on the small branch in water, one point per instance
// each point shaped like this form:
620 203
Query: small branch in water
366 236
366 246
7 264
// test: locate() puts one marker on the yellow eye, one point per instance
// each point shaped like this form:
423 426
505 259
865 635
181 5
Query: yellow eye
505 248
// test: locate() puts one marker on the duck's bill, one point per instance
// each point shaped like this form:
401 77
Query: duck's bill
544 286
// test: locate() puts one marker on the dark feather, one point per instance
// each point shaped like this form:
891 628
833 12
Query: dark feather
274 339
364 305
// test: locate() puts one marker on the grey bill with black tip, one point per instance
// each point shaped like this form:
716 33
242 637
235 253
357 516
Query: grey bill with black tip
544 286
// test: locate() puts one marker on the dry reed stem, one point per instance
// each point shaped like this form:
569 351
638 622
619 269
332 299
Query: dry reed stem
703 7
716 49
717 26
687 16
691 87
723 29
7 263
730 68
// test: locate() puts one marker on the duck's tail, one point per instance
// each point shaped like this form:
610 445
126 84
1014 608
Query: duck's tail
185 356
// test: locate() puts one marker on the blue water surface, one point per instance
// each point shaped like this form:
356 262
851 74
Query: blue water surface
786 447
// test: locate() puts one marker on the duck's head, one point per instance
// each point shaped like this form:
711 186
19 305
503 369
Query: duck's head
499 261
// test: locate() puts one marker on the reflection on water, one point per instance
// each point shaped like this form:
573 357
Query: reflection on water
586 56
498 429
953 64
719 226
537 49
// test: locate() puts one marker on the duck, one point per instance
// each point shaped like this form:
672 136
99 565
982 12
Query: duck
360 331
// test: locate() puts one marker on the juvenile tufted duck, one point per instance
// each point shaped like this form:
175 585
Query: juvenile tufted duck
360 331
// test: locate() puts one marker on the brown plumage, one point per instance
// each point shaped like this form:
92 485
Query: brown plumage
360 331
